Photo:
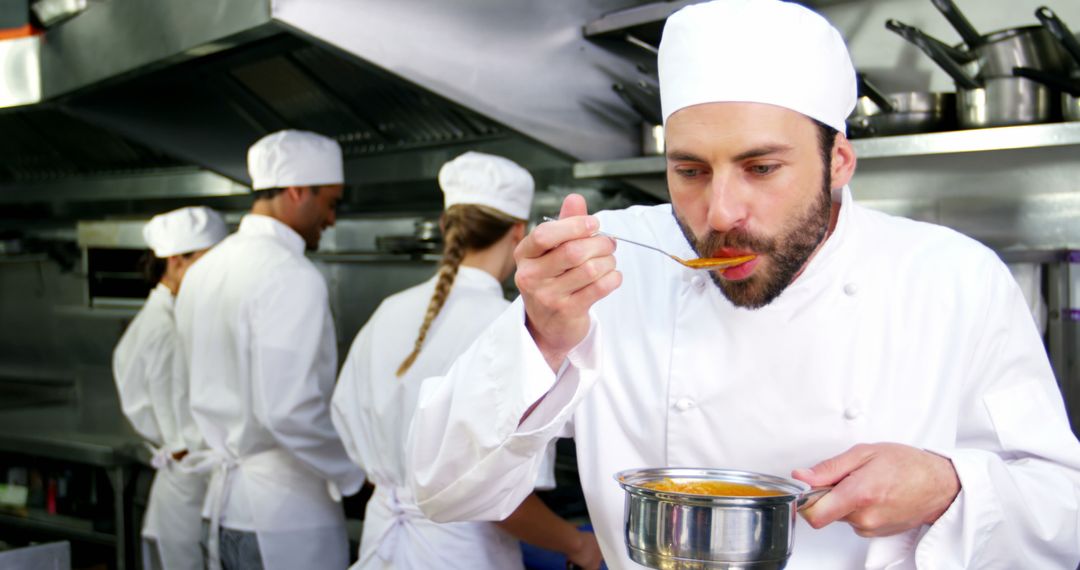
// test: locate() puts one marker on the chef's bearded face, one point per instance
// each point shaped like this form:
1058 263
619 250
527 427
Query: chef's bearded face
753 179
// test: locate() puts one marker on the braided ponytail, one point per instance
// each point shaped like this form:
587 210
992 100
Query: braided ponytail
467 228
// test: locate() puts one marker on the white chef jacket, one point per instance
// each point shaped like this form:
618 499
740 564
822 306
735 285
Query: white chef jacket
255 323
151 381
896 331
373 407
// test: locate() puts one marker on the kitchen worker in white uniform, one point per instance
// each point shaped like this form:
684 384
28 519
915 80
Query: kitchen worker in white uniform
258 334
416 334
891 358
152 383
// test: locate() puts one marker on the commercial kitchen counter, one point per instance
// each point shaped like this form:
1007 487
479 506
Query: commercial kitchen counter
38 433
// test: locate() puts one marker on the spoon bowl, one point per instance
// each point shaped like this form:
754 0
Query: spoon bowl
706 263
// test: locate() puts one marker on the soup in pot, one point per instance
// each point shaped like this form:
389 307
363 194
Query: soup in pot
711 488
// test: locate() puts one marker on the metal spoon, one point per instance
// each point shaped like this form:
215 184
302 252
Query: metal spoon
708 263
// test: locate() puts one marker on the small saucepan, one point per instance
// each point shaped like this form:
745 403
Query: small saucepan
668 528
878 114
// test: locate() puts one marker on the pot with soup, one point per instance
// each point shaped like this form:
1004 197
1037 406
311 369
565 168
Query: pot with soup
681 518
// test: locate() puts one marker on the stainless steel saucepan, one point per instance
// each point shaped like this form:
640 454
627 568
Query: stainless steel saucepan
878 114
997 53
670 530
987 101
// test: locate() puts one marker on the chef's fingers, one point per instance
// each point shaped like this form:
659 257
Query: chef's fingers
573 205
538 273
843 500
833 469
574 223
582 299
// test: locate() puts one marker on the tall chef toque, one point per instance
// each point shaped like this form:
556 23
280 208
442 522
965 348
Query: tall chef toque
756 51
294 158
184 231
487 180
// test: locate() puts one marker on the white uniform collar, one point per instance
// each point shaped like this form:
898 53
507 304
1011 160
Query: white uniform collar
260 225
477 279
829 252
161 294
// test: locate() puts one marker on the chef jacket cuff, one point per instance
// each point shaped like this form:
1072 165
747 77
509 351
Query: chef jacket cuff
961 532
558 393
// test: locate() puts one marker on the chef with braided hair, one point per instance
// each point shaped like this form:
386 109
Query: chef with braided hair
416 334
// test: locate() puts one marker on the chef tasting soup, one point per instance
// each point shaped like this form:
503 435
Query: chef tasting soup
711 488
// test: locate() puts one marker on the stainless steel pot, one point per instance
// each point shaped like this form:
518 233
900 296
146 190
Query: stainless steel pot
677 531
1005 101
1069 88
877 114
997 53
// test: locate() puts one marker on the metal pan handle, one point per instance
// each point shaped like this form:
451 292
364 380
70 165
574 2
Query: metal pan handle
971 36
930 48
1060 31
806 501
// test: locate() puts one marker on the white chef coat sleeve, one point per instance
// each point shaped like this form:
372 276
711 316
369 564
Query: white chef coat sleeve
471 455
1016 457
345 406
159 362
293 359
132 359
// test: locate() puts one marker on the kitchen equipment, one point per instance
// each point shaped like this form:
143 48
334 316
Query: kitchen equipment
637 101
987 101
1068 86
700 263
652 138
676 530
999 52
878 114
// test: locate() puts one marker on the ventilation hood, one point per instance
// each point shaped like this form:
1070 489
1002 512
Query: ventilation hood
404 86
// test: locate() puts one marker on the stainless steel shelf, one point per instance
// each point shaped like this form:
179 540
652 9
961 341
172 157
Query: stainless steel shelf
975 140
58 525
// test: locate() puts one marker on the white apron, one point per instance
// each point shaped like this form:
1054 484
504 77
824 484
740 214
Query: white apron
297 518
173 515
398 536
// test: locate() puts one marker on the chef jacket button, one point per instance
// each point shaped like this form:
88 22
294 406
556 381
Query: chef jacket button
698 282
851 289
684 404
852 413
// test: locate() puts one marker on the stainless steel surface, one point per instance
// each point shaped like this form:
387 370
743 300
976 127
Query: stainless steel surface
115 38
652 139
912 112
1068 89
174 183
52 12
1028 46
124 234
680 531
20 71
1001 138
1006 101
562 99
52 556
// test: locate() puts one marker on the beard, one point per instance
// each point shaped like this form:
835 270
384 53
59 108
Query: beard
787 253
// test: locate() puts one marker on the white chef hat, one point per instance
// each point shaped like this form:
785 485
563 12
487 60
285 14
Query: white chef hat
759 51
294 158
487 180
184 231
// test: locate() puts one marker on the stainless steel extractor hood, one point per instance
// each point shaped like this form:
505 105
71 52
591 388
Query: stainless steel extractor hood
403 86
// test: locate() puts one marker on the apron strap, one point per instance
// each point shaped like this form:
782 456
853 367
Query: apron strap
159 456
207 461
402 512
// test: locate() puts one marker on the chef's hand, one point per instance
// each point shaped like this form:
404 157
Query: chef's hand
587 555
562 269
881 489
